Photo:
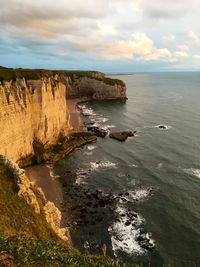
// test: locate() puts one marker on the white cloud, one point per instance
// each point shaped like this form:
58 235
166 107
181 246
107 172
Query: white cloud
105 29
181 54
197 57
168 39
138 46
183 47
194 38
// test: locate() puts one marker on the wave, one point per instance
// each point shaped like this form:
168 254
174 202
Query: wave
194 172
105 165
91 147
88 153
86 111
164 126
125 233
52 173
136 195
140 194
81 176
159 166
133 165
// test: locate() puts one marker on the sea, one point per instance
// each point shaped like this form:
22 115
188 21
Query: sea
141 197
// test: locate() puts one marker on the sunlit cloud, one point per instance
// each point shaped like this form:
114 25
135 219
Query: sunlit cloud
99 32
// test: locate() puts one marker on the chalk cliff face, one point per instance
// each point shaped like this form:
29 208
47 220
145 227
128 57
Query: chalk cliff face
28 110
38 109
96 89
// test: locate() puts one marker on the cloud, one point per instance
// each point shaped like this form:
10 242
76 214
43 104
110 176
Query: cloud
181 54
168 10
183 47
168 39
194 38
139 47
106 30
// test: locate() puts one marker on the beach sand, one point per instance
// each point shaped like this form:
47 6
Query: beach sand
74 114
41 175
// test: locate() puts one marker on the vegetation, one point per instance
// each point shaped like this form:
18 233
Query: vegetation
61 149
16 216
8 74
20 251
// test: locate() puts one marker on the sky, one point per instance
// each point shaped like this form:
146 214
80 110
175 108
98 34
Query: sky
105 35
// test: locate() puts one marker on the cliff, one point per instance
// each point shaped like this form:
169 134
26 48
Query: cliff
35 112
34 105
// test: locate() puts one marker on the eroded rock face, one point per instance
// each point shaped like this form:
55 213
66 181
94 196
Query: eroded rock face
53 217
29 192
28 110
97 89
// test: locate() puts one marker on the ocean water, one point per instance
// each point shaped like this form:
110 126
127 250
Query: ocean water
151 182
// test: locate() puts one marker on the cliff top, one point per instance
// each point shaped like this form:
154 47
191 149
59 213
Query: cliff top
8 74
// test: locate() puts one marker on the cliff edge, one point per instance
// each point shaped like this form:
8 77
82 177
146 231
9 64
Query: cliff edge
34 105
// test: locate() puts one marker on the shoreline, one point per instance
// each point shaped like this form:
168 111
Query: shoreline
41 174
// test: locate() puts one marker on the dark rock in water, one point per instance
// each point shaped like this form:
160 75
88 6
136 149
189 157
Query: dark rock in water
97 130
88 123
127 223
162 126
121 136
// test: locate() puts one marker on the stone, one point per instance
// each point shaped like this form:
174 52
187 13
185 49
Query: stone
121 136
162 126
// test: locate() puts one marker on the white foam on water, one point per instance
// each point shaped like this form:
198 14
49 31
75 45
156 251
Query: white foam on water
159 166
194 172
86 111
133 165
121 174
51 172
102 119
91 147
123 237
81 176
139 194
103 164
88 153
167 127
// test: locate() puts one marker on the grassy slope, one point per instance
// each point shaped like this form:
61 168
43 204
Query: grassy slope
7 74
16 216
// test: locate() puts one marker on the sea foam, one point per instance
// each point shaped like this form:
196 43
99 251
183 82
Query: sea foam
194 172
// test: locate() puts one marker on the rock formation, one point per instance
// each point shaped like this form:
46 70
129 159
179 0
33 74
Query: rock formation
33 106
36 108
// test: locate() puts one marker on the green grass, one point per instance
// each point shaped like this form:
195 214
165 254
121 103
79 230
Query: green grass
30 252
16 216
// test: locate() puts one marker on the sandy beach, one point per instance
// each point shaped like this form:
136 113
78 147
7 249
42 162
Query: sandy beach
41 175
74 115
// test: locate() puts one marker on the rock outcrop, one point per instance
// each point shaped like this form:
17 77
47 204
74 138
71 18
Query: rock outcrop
121 136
